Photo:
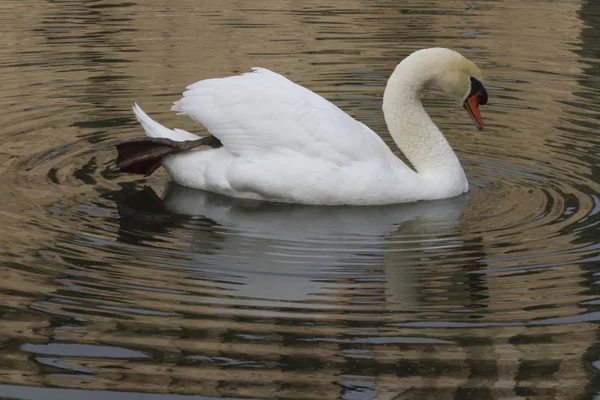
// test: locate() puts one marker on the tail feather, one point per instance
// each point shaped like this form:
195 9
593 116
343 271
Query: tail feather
155 130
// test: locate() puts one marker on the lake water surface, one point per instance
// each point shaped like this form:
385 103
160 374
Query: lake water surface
114 286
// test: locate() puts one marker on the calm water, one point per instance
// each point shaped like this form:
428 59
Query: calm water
124 288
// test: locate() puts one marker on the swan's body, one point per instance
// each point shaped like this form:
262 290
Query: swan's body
282 142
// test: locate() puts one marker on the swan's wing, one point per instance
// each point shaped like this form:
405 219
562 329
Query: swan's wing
262 111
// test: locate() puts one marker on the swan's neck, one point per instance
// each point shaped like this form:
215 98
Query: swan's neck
415 133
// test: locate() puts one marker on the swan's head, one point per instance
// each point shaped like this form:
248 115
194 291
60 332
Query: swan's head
459 78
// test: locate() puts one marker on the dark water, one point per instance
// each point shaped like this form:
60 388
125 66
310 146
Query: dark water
117 287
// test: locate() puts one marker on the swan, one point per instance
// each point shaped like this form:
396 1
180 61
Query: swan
271 139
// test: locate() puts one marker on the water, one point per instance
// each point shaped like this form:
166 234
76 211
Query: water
119 287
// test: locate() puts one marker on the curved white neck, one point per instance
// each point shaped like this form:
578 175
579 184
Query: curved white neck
415 133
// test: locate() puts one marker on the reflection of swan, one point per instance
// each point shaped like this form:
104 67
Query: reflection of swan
277 140
294 252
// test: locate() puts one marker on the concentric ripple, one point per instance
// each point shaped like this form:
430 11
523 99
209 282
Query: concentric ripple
120 284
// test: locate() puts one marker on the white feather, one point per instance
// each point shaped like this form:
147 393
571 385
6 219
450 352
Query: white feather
263 110
156 130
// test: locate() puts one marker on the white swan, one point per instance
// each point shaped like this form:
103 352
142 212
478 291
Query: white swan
275 140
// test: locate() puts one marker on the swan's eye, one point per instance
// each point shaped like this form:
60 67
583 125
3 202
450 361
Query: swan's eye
478 88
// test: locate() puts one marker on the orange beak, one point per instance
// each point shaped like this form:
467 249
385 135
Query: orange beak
472 106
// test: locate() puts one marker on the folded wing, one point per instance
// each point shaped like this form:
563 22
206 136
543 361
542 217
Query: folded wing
262 111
